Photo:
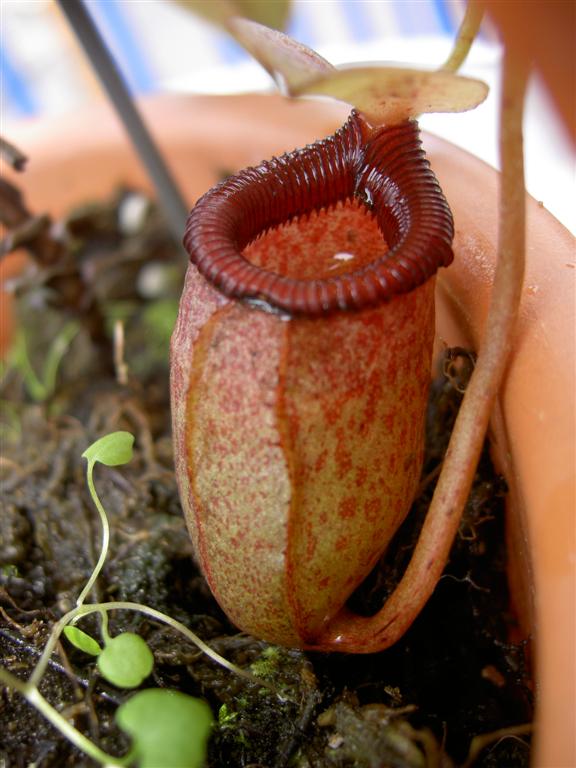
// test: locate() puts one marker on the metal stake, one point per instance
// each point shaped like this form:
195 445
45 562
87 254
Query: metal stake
169 196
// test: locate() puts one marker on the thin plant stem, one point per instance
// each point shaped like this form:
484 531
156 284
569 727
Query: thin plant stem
466 36
57 630
460 462
31 693
104 627
85 610
105 534
467 439
169 196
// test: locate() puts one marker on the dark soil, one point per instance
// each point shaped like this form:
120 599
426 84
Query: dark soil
454 676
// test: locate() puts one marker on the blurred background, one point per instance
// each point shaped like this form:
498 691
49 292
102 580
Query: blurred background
161 46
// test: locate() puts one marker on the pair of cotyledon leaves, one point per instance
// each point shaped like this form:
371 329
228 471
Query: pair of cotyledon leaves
167 727
384 94
125 661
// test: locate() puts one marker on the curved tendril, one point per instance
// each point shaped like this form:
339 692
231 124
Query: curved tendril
459 466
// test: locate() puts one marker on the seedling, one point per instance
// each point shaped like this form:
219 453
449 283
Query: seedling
125 661
166 727
112 450
42 386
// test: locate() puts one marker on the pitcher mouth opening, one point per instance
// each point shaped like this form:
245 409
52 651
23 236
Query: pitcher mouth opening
322 244
381 176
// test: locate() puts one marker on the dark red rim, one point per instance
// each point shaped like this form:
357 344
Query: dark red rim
385 169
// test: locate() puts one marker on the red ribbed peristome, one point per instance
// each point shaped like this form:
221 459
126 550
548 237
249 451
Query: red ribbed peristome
385 169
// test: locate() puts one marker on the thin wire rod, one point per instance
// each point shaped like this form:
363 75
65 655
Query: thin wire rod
168 194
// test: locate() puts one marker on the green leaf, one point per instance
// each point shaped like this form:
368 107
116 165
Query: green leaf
82 641
112 450
168 728
290 63
393 94
126 660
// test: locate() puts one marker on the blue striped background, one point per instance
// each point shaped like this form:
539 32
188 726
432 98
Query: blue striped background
154 40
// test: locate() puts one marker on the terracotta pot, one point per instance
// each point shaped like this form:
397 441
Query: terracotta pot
533 430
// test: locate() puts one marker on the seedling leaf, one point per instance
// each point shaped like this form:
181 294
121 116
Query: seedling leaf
167 728
126 660
82 641
112 450
392 94
287 61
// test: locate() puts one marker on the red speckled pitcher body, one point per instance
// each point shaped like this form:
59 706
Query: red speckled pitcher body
299 397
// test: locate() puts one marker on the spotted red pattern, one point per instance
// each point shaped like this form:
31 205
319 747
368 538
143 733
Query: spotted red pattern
299 429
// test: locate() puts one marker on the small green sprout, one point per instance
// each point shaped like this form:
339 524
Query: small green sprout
111 450
41 387
167 728
125 661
